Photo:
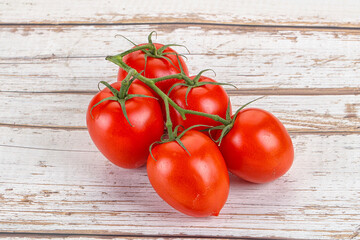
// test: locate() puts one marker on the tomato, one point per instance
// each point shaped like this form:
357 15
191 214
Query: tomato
195 184
258 148
155 67
124 145
211 99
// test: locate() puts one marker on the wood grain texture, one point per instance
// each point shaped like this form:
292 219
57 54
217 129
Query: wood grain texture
81 192
257 12
60 58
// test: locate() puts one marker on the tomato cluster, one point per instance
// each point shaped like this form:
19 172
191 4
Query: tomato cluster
181 126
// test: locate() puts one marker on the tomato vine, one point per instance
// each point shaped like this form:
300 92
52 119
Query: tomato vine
253 144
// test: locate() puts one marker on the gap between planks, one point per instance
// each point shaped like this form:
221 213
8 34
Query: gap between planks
259 12
80 128
195 24
50 235
241 92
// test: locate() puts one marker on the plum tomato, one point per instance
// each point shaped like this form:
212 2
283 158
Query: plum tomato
124 145
211 99
194 183
258 148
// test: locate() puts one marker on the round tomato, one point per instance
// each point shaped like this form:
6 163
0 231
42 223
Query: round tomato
211 99
257 148
196 184
155 67
124 145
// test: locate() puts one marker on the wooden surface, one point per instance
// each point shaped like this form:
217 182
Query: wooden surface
302 55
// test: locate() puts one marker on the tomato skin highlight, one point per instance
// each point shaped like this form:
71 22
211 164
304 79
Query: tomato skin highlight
211 99
258 148
123 145
196 185
155 67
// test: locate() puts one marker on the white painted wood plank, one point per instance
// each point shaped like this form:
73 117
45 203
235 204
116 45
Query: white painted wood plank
81 192
299 113
258 12
47 139
63 58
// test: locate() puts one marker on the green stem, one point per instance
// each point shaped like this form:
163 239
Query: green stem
117 59
178 76
213 117
188 80
146 46
168 122
125 84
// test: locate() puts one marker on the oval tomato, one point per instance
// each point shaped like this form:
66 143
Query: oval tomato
211 99
124 145
258 148
155 67
195 184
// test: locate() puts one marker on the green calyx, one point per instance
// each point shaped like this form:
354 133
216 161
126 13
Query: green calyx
175 136
225 128
120 96
194 83
150 50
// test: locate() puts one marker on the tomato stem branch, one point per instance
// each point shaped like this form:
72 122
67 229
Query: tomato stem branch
117 59
168 122
178 76
125 84
137 48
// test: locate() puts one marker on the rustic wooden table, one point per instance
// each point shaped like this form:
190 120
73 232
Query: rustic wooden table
304 56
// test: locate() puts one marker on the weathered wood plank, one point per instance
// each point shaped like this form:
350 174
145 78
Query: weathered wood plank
257 12
83 74
298 113
81 192
60 58
77 41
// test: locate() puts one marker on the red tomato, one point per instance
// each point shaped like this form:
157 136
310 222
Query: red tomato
196 185
125 146
211 99
155 67
258 148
